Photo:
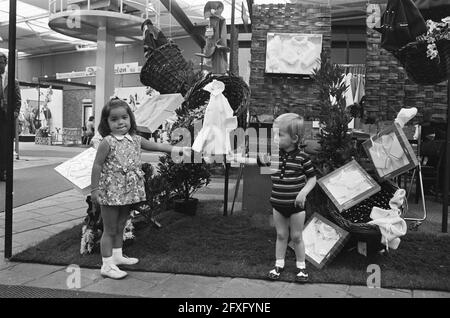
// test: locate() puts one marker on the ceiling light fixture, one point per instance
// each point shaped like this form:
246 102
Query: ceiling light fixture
85 47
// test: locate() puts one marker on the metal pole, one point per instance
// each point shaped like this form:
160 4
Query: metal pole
227 174
38 117
232 35
11 127
447 166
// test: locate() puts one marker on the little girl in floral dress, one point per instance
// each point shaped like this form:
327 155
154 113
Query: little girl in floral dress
118 181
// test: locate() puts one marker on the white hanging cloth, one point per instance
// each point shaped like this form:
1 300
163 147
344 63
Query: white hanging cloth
214 137
359 92
349 92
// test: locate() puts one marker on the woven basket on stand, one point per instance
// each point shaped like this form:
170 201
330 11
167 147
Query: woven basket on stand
420 68
236 91
363 230
166 70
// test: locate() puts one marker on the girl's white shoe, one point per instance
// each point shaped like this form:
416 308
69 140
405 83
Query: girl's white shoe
112 271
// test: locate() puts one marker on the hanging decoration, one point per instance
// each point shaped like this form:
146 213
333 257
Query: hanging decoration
422 48
213 138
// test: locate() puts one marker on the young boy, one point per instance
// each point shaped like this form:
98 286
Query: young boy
292 181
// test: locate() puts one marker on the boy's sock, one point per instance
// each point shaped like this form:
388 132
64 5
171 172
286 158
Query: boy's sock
107 260
301 265
117 252
279 263
119 259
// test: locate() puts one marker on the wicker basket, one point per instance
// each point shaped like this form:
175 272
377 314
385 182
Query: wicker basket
166 70
236 91
362 229
419 68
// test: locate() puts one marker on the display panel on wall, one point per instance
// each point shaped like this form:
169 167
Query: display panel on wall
292 53
50 113
134 96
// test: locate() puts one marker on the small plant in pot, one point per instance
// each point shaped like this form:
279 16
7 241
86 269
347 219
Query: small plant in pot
184 179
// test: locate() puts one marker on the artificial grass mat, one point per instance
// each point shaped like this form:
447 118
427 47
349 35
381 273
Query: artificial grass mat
213 245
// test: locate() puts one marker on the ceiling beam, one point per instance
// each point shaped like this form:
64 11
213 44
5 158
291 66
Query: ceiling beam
36 17
53 80
184 21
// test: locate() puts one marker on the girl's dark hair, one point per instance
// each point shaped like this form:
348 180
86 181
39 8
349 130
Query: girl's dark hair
103 127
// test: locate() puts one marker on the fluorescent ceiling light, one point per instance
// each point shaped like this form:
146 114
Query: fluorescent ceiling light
24 10
91 47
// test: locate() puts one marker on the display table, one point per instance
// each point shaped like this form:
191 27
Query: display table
71 135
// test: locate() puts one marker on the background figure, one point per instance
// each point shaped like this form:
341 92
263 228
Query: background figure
132 103
47 118
4 115
90 129
29 118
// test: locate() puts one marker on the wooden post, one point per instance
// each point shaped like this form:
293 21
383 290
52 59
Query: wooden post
447 166
11 128
227 175
234 42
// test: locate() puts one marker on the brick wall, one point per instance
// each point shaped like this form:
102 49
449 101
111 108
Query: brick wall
388 88
289 93
73 101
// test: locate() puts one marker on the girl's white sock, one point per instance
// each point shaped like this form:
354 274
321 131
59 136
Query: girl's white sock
301 265
279 263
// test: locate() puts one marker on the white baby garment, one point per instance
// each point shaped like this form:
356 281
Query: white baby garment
213 138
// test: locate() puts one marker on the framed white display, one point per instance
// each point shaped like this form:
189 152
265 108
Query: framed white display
390 152
348 185
323 240
293 53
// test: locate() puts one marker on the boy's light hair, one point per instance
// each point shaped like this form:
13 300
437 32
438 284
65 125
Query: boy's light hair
293 123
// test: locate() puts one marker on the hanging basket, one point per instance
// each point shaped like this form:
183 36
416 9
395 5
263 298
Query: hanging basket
166 70
364 229
236 91
420 68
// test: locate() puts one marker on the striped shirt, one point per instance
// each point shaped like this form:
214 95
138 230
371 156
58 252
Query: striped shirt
292 172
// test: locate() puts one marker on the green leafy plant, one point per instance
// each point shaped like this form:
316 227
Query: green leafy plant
184 179
335 137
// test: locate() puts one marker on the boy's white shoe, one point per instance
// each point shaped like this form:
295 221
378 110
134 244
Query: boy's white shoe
112 271
124 260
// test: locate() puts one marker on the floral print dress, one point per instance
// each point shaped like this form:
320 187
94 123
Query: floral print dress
122 179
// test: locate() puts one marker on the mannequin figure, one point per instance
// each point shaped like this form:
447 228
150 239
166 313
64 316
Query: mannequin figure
216 37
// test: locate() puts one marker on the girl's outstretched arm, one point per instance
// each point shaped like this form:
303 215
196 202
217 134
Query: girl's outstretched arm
156 146
102 152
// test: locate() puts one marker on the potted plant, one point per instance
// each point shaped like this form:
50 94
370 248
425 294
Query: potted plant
157 191
184 179
335 137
